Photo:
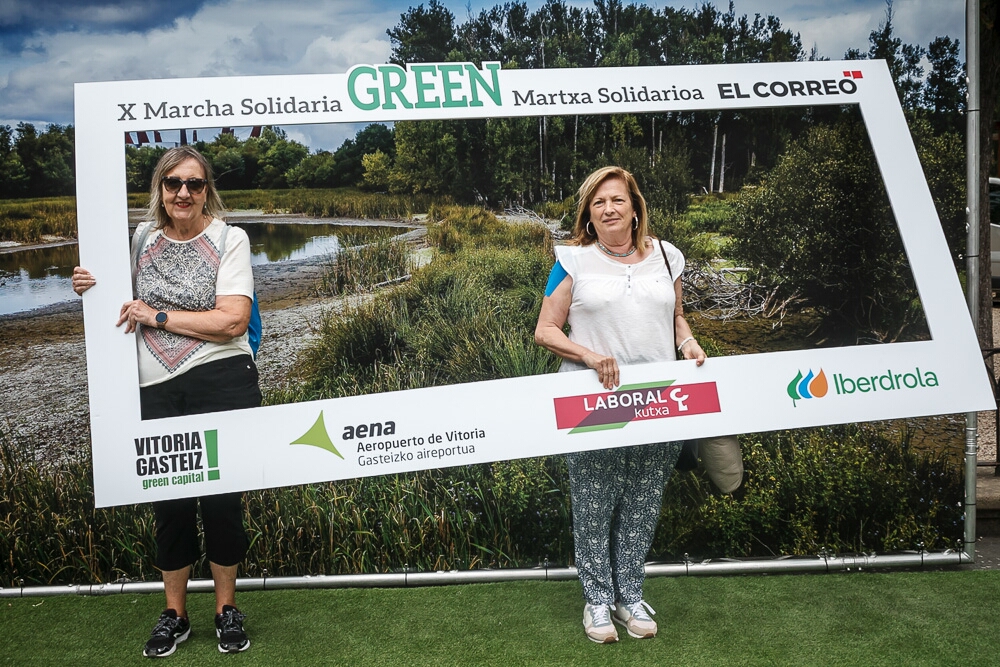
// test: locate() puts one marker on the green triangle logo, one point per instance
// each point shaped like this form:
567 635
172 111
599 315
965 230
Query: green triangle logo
317 436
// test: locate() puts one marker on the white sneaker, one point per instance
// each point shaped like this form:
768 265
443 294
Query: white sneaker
597 623
636 619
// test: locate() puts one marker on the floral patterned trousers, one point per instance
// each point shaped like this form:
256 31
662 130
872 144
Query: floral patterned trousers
616 496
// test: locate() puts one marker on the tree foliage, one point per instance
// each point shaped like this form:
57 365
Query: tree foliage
820 226
349 169
902 59
36 164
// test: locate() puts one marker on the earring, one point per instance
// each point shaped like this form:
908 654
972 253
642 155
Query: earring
590 229
635 222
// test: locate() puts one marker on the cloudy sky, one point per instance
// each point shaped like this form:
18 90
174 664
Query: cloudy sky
48 45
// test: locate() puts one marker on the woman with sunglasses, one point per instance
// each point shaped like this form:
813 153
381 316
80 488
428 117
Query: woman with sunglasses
193 291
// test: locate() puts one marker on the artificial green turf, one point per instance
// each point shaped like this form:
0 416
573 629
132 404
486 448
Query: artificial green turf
897 618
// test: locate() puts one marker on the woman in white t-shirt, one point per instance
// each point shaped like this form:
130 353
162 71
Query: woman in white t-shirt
620 292
192 305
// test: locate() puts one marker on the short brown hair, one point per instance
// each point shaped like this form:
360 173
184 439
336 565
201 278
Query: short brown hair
585 196
170 159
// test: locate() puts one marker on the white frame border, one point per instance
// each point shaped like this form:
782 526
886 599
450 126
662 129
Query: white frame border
515 416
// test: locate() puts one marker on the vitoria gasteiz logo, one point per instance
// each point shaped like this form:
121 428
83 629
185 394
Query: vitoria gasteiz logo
636 402
176 459
809 385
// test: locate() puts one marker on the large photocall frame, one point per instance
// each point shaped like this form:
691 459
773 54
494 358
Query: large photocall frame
138 461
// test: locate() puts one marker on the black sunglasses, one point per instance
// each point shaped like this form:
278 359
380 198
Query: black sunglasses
174 184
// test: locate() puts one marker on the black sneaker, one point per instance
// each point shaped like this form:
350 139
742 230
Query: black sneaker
229 630
168 633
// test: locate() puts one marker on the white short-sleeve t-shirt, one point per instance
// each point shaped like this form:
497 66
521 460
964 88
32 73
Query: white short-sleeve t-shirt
622 310
188 275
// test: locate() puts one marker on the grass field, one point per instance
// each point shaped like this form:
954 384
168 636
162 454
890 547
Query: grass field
883 618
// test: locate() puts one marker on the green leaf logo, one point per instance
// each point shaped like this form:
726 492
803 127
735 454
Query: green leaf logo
793 390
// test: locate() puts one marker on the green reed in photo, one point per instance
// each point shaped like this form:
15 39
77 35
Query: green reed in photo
363 267
30 220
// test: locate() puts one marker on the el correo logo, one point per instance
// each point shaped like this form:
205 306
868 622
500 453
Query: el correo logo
176 459
807 88
638 402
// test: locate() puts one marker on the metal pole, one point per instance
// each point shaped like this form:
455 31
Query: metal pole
786 565
972 249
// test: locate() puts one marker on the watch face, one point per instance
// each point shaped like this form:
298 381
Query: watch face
161 318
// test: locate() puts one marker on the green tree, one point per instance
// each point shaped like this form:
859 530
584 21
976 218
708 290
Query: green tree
348 169
426 158
902 59
943 93
665 181
139 166
315 171
13 176
942 156
228 167
281 156
820 225
423 35
47 159
512 147
377 166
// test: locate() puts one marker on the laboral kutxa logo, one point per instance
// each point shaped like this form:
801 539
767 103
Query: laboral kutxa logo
816 385
176 459
637 402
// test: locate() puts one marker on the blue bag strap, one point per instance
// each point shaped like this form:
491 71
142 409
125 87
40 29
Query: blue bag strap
254 328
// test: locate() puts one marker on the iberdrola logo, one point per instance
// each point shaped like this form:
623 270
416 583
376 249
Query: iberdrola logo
808 386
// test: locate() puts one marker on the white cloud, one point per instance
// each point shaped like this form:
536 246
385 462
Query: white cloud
835 26
257 37
239 37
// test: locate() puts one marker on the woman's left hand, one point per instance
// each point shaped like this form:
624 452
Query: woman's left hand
82 280
692 350
134 313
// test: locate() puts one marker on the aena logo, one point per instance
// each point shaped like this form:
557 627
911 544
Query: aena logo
808 386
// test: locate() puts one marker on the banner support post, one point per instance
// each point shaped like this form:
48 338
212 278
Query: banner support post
972 249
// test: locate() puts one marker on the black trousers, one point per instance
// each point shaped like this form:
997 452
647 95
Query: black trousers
226 384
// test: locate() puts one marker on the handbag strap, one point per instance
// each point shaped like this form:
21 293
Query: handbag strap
665 260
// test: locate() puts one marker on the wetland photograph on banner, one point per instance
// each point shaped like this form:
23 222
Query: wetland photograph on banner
814 261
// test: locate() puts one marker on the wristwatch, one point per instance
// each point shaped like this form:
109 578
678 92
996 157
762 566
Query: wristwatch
161 320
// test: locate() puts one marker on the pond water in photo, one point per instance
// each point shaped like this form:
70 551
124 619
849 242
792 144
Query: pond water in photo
39 277
285 242
35 278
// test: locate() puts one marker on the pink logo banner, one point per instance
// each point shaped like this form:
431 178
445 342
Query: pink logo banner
658 400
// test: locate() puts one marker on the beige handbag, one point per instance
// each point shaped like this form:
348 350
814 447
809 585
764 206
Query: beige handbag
720 456
723 461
